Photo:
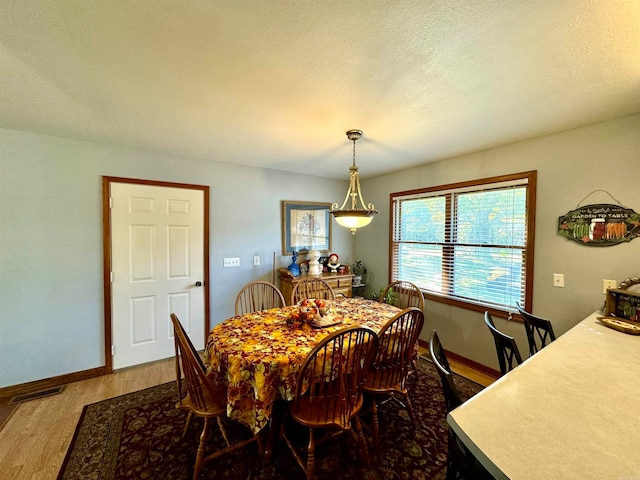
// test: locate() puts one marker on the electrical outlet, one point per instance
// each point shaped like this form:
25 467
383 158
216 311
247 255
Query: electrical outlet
607 284
231 262
256 260
558 280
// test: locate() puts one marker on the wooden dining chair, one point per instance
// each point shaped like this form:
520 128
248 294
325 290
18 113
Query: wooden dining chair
404 295
204 398
329 392
539 330
461 463
388 375
506 347
257 296
311 287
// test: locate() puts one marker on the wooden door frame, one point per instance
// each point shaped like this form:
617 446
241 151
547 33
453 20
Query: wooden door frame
106 249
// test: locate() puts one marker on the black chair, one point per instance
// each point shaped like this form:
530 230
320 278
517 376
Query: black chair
539 331
460 461
506 347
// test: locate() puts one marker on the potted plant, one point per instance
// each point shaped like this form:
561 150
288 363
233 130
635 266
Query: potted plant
358 269
389 298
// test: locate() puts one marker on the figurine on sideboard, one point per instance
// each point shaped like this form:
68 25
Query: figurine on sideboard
304 267
333 263
294 268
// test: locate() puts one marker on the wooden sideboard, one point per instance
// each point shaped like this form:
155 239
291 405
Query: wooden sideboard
341 284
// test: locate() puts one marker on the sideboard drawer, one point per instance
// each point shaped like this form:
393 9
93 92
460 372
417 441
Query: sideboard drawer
346 291
332 282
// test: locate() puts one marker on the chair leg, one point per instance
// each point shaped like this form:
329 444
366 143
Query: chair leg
407 402
451 471
260 443
374 422
311 456
363 443
415 360
186 425
223 431
414 363
200 454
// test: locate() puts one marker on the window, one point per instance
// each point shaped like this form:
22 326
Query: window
469 244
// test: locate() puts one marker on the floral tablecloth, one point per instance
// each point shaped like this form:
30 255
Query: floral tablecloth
259 356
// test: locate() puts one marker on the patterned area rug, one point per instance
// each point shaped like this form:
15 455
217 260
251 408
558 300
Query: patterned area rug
139 436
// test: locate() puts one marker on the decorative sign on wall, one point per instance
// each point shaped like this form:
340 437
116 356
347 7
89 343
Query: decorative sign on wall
600 225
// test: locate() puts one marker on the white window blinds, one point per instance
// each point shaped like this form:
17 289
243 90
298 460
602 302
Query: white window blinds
467 243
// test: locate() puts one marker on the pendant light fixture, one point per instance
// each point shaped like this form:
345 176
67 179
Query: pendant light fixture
350 214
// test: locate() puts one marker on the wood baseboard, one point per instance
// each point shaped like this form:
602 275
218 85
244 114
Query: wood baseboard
37 385
495 374
471 364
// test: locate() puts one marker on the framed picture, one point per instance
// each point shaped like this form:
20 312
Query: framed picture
305 226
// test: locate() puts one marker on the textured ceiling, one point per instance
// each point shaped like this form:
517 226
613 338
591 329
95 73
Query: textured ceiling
277 83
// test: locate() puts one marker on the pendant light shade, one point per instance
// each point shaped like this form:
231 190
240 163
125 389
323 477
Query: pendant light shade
353 213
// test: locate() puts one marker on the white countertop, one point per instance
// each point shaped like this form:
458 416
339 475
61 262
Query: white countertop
572 411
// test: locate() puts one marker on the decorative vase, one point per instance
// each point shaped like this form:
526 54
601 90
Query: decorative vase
294 268
314 265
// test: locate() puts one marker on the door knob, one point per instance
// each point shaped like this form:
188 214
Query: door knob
198 284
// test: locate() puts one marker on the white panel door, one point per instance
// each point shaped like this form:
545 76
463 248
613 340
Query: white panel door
157 263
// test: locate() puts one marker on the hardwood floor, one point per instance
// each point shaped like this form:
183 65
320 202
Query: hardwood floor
35 439
468 372
462 369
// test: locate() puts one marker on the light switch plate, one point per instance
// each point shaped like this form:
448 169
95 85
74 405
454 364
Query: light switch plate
606 284
558 280
231 262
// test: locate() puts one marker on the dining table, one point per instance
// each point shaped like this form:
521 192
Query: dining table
258 355
568 412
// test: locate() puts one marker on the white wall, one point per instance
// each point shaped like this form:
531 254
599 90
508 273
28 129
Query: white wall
570 165
51 315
